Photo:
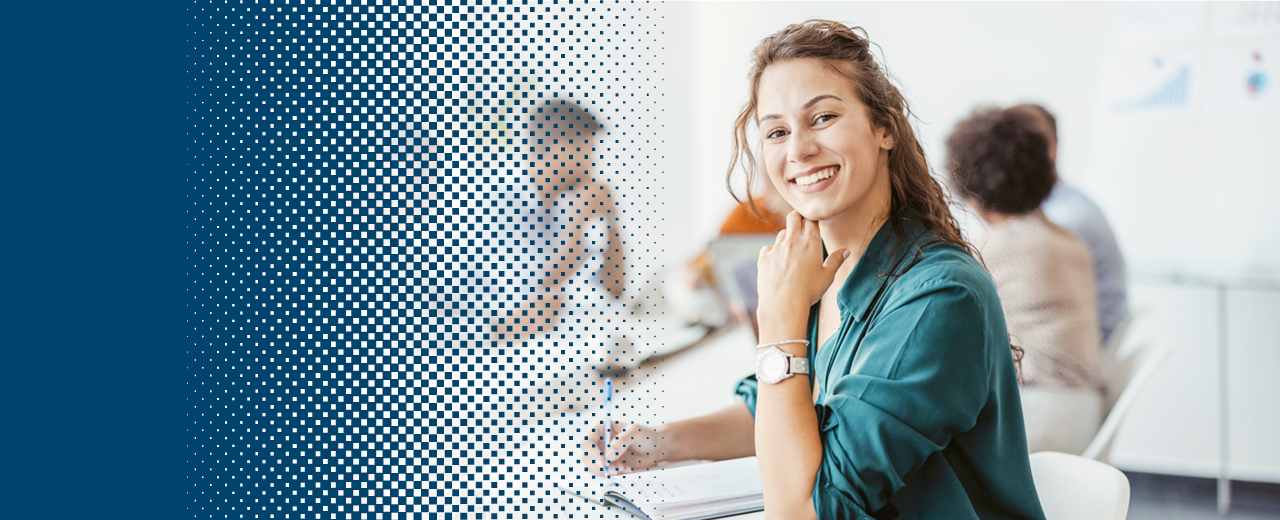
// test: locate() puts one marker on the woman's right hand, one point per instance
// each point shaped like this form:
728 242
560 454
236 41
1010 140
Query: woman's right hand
634 447
793 274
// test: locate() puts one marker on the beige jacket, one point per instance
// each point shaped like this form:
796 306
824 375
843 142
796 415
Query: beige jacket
1044 275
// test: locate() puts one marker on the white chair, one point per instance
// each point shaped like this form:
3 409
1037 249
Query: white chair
1116 341
1125 375
1075 488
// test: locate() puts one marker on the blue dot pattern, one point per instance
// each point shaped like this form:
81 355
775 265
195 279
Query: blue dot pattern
418 238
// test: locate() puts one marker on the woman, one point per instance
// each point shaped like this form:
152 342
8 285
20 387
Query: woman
1001 163
912 410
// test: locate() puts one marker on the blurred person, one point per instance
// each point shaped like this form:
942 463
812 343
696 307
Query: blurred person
573 266
1071 209
569 193
912 408
1000 164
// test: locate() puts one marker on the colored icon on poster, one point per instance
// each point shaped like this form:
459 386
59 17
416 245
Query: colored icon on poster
1239 82
1257 82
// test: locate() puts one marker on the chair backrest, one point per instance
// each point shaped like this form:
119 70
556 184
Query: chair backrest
1075 488
1111 349
1125 377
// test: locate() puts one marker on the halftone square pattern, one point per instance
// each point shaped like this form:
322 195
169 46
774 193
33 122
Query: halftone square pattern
406 287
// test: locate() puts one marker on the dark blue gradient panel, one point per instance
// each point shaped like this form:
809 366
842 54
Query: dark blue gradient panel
93 254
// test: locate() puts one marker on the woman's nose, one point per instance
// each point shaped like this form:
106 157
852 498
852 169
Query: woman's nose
803 146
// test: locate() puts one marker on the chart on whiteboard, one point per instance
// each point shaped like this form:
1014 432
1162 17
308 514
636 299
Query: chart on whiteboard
1153 83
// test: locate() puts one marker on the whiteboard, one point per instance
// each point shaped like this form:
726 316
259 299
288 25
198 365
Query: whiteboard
1185 155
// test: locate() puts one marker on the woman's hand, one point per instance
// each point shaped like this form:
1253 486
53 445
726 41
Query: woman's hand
792 273
525 322
634 447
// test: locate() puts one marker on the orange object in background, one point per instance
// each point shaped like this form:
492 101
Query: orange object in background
742 221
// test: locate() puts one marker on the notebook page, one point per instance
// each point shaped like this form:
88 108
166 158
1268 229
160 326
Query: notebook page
589 487
702 483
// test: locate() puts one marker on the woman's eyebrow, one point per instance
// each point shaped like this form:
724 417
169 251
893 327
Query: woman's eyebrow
820 98
806 106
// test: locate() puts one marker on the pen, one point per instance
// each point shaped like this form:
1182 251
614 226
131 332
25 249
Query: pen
608 403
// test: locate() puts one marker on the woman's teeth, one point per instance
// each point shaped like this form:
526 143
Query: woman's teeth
810 179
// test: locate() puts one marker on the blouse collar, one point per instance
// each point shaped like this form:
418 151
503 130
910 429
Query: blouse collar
886 251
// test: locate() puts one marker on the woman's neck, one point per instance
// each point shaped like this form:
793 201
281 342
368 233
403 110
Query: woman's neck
854 229
994 218
854 236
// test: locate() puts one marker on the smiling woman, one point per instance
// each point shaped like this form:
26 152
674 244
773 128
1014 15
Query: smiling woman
886 387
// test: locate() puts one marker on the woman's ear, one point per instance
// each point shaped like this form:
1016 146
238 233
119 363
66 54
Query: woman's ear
887 141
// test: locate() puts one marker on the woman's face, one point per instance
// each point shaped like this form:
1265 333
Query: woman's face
819 147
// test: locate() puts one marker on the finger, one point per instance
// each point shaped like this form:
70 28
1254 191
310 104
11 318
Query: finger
621 442
810 227
795 223
593 451
834 261
764 251
595 441
782 235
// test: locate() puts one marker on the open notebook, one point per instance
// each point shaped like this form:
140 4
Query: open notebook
694 492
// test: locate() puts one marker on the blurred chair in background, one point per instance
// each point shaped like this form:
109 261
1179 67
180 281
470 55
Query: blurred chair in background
1126 373
1075 488
1000 164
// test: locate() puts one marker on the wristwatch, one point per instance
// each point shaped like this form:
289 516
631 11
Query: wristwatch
774 365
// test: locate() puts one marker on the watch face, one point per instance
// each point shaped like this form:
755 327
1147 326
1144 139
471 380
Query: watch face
773 366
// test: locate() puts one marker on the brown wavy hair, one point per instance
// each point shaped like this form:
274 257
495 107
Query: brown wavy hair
916 194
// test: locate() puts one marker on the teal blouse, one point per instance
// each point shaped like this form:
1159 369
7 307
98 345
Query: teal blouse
918 407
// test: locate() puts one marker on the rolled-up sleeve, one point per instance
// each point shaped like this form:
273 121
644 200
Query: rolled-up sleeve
746 391
918 379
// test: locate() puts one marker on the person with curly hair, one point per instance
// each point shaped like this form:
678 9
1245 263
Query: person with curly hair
886 384
1000 163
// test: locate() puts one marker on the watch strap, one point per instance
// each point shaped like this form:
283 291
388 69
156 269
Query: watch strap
799 365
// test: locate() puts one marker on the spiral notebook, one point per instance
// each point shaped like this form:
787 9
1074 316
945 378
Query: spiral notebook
695 492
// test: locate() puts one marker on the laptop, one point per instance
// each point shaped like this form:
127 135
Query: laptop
733 264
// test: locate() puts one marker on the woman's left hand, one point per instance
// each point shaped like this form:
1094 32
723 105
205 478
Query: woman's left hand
792 273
